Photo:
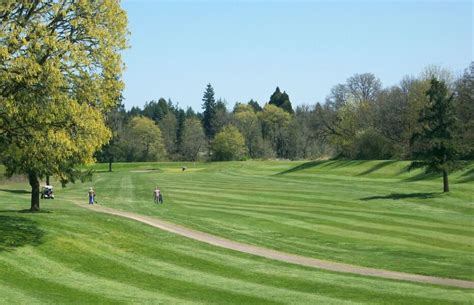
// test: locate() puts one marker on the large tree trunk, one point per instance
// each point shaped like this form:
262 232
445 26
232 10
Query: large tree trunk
35 191
47 180
445 182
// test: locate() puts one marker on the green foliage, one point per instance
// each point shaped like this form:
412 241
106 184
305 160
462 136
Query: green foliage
169 127
157 110
342 125
246 120
209 114
434 147
111 152
417 100
238 107
371 145
464 106
60 72
181 121
254 104
275 122
143 140
222 116
281 100
194 143
229 144
360 120
305 140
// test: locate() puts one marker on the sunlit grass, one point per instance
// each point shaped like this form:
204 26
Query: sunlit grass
340 211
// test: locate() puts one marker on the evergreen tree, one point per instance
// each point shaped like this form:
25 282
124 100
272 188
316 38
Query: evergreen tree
209 107
157 110
134 111
276 97
281 100
256 107
190 113
181 117
434 146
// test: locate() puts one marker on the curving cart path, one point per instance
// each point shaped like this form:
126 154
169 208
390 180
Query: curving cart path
282 256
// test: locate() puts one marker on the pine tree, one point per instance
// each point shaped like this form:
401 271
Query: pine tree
276 97
254 104
281 100
434 147
209 107
181 117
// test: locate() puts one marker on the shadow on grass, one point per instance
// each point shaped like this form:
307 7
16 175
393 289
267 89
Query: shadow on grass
327 164
466 177
377 167
15 191
423 176
26 211
16 232
303 166
397 196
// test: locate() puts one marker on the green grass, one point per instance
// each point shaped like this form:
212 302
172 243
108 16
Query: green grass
365 213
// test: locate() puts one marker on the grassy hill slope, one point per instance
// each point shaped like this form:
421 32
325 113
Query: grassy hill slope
70 255
370 213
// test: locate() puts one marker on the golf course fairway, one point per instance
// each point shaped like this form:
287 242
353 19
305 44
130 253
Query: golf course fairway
365 213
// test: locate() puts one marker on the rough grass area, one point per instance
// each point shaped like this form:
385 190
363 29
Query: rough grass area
366 213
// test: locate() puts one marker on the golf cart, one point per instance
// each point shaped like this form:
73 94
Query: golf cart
47 192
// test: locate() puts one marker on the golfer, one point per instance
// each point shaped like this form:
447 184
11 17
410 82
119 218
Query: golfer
158 198
91 195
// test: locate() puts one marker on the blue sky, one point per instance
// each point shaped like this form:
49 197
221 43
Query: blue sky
247 48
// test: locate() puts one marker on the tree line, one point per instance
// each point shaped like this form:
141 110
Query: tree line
60 106
360 119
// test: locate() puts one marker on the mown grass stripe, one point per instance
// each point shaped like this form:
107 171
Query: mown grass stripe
349 218
329 229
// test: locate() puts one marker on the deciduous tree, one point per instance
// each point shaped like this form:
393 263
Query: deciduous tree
144 140
229 144
60 70
275 122
464 105
169 126
194 141
246 120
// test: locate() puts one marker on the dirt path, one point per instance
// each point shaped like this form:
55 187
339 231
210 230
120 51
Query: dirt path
282 256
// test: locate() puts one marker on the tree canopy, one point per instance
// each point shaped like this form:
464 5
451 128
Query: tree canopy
435 144
360 119
228 145
209 114
281 100
144 141
60 71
